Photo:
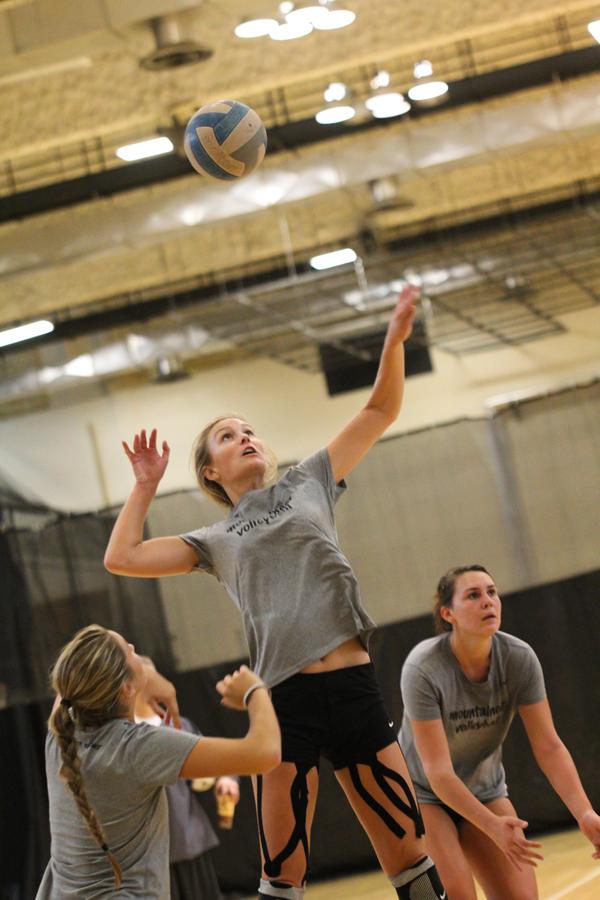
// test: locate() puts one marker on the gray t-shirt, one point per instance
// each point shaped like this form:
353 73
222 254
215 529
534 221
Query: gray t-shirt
277 555
476 715
124 766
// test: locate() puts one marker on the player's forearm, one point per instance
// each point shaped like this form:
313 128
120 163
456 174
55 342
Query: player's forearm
558 767
388 390
454 793
263 740
128 530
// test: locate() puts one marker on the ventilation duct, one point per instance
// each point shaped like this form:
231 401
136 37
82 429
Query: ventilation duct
173 47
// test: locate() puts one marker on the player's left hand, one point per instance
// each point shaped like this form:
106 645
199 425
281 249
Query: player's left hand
590 825
229 786
161 696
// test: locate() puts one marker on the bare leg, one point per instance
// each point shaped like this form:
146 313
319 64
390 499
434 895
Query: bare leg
395 835
497 875
285 803
442 840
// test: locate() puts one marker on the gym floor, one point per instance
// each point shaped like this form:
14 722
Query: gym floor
568 871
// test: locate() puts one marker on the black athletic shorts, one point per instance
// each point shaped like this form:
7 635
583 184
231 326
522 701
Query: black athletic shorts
338 714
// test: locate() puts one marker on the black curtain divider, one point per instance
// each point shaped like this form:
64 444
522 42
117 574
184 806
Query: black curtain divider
561 621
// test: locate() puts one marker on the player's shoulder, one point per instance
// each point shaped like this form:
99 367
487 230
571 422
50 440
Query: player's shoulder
512 648
428 654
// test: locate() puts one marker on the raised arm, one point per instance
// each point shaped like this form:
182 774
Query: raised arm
383 406
505 831
127 552
557 764
258 751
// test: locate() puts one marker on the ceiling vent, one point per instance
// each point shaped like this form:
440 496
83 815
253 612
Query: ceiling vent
173 48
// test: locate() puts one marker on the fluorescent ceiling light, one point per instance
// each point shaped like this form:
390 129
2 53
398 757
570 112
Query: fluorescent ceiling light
145 149
25 332
335 258
428 90
334 18
332 115
594 29
288 31
384 106
255 28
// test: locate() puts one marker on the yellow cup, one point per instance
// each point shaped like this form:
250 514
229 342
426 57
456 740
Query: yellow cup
225 810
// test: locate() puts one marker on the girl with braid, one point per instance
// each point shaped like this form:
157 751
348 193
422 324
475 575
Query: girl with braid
461 691
106 774
277 554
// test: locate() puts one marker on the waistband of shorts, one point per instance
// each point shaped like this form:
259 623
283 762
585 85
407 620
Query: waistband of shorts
328 675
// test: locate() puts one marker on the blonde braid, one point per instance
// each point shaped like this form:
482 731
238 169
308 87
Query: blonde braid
70 771
90 672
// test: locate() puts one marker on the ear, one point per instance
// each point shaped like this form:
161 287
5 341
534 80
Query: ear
128 691
446 614
210 473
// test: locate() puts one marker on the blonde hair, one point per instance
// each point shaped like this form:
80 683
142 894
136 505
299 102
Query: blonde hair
88 675
201 458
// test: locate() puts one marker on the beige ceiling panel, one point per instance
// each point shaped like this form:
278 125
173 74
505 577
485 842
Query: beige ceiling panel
45 22
124 12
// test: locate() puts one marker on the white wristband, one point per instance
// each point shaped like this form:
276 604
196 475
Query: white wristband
252 688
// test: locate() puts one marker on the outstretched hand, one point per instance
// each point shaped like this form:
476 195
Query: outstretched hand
401 322
590 825
507 833
147 463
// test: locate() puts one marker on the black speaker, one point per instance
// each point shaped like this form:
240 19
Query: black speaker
346 372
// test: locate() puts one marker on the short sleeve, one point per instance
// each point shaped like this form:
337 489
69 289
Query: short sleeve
198 539
418 694
318 466
158 752
531 687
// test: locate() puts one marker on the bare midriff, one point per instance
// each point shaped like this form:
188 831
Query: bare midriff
350 653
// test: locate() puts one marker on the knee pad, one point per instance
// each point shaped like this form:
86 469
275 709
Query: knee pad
420 882
278 890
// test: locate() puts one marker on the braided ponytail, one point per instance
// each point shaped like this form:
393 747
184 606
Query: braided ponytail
90 672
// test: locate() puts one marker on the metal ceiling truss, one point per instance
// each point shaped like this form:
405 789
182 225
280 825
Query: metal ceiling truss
499 284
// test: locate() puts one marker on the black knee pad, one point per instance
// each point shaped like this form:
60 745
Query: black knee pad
420 882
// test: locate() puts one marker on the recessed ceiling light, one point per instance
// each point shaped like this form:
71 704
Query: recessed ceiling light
384 106
428 90
289 31
252 28
334 18
332 115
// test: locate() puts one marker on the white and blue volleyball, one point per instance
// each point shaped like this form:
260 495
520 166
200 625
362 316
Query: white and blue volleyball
225 140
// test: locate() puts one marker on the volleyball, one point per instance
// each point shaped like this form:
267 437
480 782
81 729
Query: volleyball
225 140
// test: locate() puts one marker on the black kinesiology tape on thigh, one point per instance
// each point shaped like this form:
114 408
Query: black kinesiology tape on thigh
382 775
299 801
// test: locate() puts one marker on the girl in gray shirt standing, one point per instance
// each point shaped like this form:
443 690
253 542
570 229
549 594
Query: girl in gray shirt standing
106 774
461 691
277 555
